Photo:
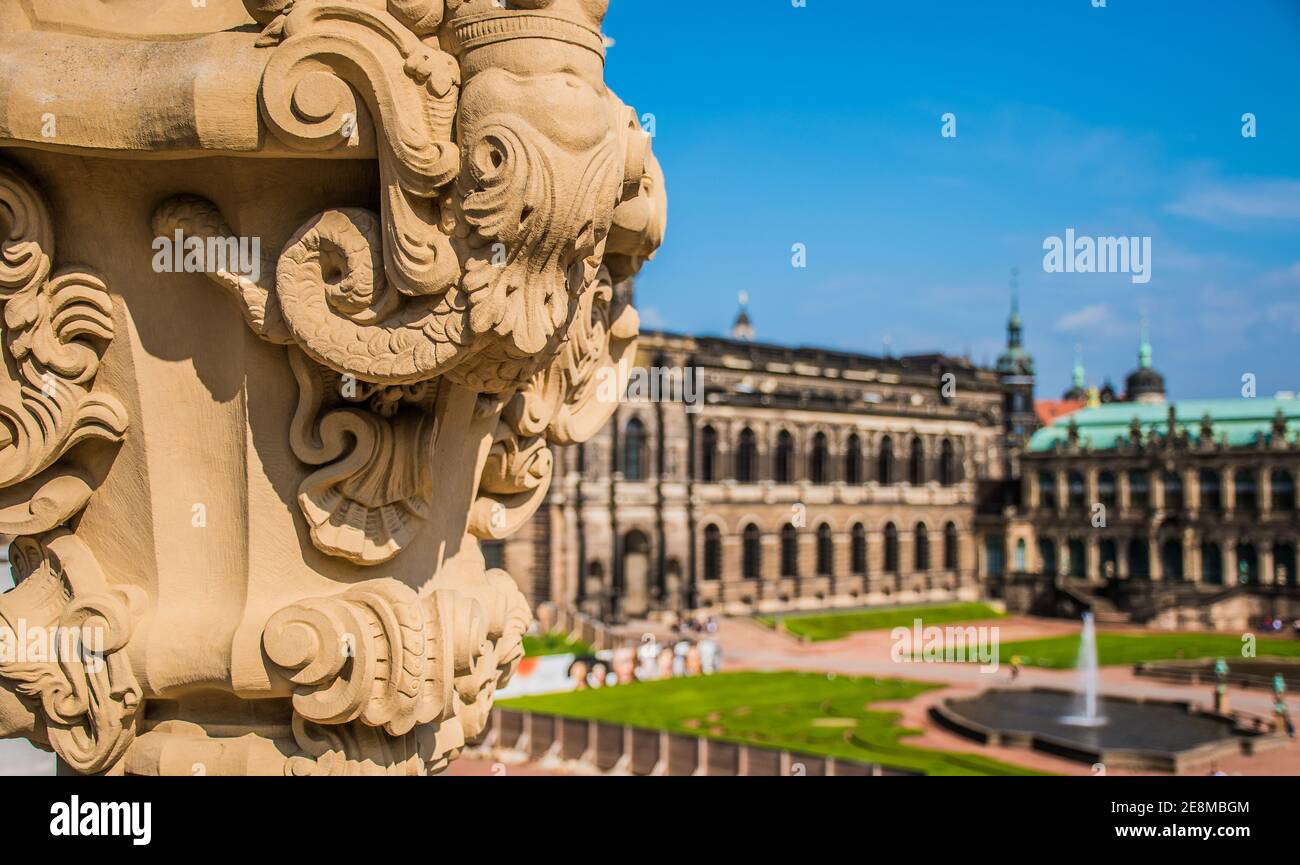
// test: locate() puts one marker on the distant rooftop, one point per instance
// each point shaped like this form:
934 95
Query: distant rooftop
1239 421
1050 410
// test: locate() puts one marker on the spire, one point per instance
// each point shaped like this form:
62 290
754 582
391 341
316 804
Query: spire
1144 347
1014 334
1078 376
1015 361
742 329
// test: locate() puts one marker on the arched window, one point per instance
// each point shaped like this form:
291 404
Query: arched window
712 553
1282 490
789 551
951 555
853 460
1139 490
858 549
634 447
1211 564
1047 491
1106 489
1047 556
947 464
1211 500
784 468
1247 565
819 460
1075 491
885 462
825 551
1173 484
1284 564
1243 488
746 457
1171 560
994 565
1022 557
1078 564
1108 561
891 548
708 454
1139 563
921 548
751 553
916 462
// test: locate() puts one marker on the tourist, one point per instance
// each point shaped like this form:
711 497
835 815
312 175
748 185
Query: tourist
578 671
647 652
599 674
1015 663
625 665
666 658
710 656
679 657
693 664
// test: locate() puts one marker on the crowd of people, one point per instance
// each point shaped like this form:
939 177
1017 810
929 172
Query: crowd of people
691 651
1276 626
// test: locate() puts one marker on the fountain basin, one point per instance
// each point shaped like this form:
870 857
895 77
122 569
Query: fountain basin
1139 735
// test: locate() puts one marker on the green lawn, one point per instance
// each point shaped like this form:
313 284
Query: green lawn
1126 649
809 712
554 644
833 626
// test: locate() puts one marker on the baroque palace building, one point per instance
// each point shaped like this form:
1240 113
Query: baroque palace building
739 476
1166 512
766 478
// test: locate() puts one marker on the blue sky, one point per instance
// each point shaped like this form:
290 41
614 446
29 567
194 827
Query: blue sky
821 125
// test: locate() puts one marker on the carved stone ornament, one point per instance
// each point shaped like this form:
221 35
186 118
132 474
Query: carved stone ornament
346 270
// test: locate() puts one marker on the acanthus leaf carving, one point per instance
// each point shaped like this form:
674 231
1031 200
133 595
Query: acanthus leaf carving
56 329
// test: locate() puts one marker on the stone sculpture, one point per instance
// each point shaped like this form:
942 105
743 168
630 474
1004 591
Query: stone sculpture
331 277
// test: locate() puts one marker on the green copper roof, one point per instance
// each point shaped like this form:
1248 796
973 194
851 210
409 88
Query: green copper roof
1241 421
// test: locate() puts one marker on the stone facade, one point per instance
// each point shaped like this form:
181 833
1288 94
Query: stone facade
1176 509
800 478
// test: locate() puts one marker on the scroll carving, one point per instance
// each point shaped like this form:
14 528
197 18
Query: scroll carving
88 698
382 656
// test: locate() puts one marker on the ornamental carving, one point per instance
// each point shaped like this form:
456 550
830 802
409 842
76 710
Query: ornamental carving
446 207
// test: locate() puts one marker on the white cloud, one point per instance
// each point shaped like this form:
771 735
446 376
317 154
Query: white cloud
1284 276
1091 316
653 319
1227 203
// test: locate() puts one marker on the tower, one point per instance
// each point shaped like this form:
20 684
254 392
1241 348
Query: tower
1016 373
741 329
1144 384
1078 380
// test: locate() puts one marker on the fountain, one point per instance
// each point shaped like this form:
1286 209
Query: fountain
1087 665
1142 734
